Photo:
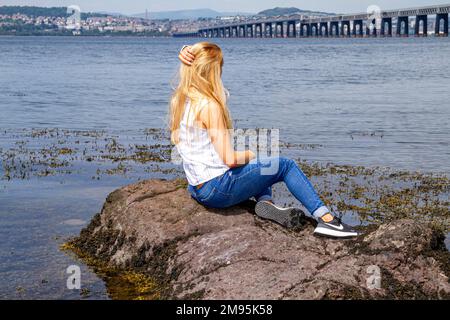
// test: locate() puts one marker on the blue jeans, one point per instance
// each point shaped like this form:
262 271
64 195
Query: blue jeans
255 180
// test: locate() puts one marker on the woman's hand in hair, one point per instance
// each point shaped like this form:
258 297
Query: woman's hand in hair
186 56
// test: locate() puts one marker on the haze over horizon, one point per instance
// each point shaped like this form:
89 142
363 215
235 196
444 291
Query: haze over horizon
251 6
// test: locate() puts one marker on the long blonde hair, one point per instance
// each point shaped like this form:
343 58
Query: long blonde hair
203 78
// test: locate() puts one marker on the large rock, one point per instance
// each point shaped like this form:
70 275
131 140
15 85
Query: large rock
154 227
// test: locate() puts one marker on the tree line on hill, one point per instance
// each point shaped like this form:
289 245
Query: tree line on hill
32 11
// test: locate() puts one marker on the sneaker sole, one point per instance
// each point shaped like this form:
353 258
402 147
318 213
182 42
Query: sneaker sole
289 217
325 232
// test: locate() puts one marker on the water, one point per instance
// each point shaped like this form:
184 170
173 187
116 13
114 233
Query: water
371 102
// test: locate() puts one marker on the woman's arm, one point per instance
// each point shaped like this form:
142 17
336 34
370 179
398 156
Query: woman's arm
220 136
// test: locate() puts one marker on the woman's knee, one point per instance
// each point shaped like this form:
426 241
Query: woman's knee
287 162
272 160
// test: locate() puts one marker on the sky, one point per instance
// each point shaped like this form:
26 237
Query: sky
251 6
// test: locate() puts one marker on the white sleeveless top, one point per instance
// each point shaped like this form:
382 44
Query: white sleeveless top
201 162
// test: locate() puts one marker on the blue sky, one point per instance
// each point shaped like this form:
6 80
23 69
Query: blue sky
138 6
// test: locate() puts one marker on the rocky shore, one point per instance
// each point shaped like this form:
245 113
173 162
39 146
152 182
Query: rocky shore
176 248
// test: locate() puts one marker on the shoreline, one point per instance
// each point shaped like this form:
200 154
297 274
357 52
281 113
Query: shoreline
220 39
85 35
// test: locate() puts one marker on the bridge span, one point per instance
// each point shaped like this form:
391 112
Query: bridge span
379 24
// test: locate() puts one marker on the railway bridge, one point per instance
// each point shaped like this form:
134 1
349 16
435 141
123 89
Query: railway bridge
387 23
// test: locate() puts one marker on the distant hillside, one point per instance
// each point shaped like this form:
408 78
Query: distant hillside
42 11
32 11
187 14
288 11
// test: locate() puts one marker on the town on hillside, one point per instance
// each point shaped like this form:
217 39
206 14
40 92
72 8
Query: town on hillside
25 20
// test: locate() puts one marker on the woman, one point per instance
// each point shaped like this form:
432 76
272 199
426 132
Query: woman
219 176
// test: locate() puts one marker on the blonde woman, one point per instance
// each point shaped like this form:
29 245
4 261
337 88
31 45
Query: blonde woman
219 176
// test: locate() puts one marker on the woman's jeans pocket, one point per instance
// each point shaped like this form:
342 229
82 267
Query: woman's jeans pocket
212 194
204 193
216 199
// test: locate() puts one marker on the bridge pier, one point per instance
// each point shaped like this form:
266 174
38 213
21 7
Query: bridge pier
314 29
291 26
234 32
437 30
249 28
372 32
388 32
345 33
281 25
358 32
424 20
258 26
270 27
241 32
323 26
403 21
334 28
305 30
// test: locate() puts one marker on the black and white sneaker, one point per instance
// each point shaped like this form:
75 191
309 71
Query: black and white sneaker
287 217
334 229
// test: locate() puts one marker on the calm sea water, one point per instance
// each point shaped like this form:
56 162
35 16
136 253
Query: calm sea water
371 102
